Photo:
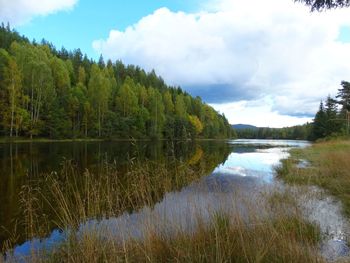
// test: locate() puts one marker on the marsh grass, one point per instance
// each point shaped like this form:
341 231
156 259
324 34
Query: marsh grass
69 197
329 168
74 198
229 236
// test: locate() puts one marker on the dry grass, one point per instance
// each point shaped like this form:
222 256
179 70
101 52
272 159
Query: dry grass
329 168
281 236
226 239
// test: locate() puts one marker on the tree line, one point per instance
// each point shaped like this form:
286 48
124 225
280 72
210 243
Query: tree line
332 119
45 92
299 132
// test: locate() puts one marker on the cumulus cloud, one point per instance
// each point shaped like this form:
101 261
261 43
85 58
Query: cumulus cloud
241 50
259 113
18 12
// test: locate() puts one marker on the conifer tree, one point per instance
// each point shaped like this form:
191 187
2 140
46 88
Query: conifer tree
320 123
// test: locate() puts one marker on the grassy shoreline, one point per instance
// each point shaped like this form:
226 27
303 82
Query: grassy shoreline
328 166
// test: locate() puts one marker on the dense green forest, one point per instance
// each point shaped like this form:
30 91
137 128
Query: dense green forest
332 119
45 92
300 132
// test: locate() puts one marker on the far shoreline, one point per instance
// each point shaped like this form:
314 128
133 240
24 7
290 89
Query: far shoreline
7 140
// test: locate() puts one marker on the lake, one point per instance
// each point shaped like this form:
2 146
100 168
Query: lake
201 178
26 164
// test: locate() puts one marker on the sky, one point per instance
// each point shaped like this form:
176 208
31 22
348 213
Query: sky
266 63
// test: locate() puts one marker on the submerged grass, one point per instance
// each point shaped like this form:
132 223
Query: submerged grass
277 233
226 239
329 168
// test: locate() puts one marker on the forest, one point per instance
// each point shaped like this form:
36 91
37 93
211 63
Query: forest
56 94
299 132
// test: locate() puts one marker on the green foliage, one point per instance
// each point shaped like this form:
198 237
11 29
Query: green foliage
180 108
320 123
168 103
7 36
330 120
126 100
196 123
62 94
60 75
300 132
156 110
344 95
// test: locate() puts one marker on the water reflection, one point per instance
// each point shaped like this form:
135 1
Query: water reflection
177 212
236 177
270 143
234 172
25 164
257 158
255 164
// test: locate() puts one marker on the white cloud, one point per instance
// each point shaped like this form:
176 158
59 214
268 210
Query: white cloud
18 12
242 50
259 113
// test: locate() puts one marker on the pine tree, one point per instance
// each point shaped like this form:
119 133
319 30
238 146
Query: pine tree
320 122
332 124
344 95
344 101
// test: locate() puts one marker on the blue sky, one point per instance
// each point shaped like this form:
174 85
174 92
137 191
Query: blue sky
266 63
91 19
344 34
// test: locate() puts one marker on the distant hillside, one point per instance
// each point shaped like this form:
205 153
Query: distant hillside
244 127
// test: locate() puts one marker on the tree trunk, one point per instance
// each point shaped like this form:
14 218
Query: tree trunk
12 108
86 124
32 107
156 128
348 121
99 120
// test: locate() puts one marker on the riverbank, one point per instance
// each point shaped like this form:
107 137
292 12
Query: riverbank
324 164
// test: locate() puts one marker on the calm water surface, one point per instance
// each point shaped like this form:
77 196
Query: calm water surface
228 169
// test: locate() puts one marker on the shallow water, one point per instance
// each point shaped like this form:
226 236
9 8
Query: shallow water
325 211
237 185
